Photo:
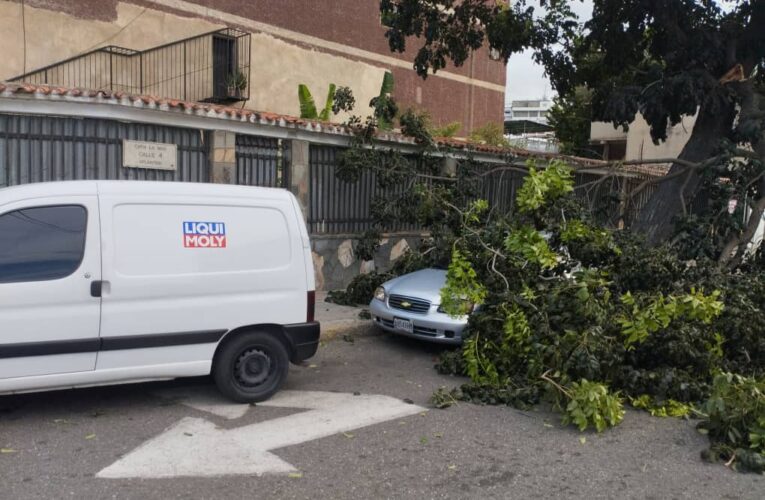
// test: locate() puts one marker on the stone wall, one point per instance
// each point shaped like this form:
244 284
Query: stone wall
336 265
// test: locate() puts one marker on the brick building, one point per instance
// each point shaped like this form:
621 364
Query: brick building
283 44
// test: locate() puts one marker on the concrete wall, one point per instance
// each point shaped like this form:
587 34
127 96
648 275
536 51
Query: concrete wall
316 42
640 146
605 131
336 265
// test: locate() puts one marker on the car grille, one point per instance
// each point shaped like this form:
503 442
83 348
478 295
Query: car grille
409 304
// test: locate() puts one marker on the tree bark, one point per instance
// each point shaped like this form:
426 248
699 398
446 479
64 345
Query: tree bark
656 219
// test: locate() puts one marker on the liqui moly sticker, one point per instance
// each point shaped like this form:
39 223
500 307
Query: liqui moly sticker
204 235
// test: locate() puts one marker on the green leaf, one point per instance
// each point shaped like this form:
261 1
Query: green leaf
307 104
387 84
327 111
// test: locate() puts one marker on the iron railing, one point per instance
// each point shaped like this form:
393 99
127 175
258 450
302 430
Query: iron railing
262 161
212 67
37 148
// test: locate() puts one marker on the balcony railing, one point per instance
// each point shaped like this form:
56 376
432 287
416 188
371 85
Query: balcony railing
213 67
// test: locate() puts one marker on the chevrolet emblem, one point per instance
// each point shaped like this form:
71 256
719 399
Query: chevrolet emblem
406 304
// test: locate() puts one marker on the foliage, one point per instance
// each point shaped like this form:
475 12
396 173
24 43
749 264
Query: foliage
308 106
386 89
590 404
360 290
491 134
462 288
528 243
639 322
237 80
668 408
544 185
705 59
362 287
564 295
448 130
571 117
561 294
367 244
735 420
343 100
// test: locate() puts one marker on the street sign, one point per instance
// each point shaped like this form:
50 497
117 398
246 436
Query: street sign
151 155
196 447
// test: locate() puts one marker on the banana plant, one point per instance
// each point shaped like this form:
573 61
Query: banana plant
308 108
385 90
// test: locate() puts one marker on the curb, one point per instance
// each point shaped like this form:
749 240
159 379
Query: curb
356 327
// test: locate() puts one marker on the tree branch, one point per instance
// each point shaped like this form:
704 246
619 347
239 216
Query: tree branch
733 253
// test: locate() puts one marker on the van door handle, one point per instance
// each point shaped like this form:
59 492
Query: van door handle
96 287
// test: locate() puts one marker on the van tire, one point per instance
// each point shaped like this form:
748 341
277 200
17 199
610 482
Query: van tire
251 367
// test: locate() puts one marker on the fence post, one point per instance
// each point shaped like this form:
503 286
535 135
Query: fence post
223 157
449 167
299 174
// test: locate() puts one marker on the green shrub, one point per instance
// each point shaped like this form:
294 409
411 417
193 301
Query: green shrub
590 404
734 418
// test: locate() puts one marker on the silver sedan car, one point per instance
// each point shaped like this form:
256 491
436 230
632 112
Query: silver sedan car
410 305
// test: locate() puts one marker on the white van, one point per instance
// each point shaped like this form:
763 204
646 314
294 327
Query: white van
107 282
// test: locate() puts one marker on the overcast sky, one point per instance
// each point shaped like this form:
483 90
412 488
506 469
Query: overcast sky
525 79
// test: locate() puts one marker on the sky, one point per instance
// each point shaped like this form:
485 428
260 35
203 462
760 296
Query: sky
525 79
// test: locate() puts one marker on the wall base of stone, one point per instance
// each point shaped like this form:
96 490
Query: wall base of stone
336 264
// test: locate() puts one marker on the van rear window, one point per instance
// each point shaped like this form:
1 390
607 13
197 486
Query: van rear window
41 243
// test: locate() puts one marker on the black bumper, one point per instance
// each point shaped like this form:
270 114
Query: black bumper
304 338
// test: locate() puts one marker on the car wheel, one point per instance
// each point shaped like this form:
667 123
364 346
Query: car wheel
251 367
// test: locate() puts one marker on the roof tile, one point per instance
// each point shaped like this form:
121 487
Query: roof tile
228 112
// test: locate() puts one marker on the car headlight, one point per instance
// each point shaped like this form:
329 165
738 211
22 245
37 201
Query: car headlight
380 293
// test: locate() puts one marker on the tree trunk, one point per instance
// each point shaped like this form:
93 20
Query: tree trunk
656 219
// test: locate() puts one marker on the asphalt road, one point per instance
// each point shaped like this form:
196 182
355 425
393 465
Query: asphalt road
53 444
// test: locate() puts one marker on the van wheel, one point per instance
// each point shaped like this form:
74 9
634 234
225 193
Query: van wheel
251 367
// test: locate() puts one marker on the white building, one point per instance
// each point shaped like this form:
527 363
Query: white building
527 126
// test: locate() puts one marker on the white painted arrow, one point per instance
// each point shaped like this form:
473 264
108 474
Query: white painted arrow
196 447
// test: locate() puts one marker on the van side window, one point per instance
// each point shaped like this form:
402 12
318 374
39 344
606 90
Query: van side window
41 243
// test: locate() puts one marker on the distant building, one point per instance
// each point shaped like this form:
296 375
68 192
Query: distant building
533 110
636 143
527 125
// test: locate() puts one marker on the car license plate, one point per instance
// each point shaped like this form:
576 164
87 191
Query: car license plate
403 324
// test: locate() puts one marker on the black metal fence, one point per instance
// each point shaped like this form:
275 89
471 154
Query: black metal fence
609 197
262 161
346 207
213 67
500 189
339 207
49 148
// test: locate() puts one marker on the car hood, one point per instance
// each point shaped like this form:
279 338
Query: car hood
424 284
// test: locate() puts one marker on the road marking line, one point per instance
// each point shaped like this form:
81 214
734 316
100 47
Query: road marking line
206 399
195 447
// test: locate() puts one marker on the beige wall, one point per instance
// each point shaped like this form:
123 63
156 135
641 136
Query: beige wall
277 67
640 146
605 131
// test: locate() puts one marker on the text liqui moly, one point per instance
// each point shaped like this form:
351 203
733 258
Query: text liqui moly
204 235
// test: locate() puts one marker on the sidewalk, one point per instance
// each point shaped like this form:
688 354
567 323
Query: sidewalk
340 320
